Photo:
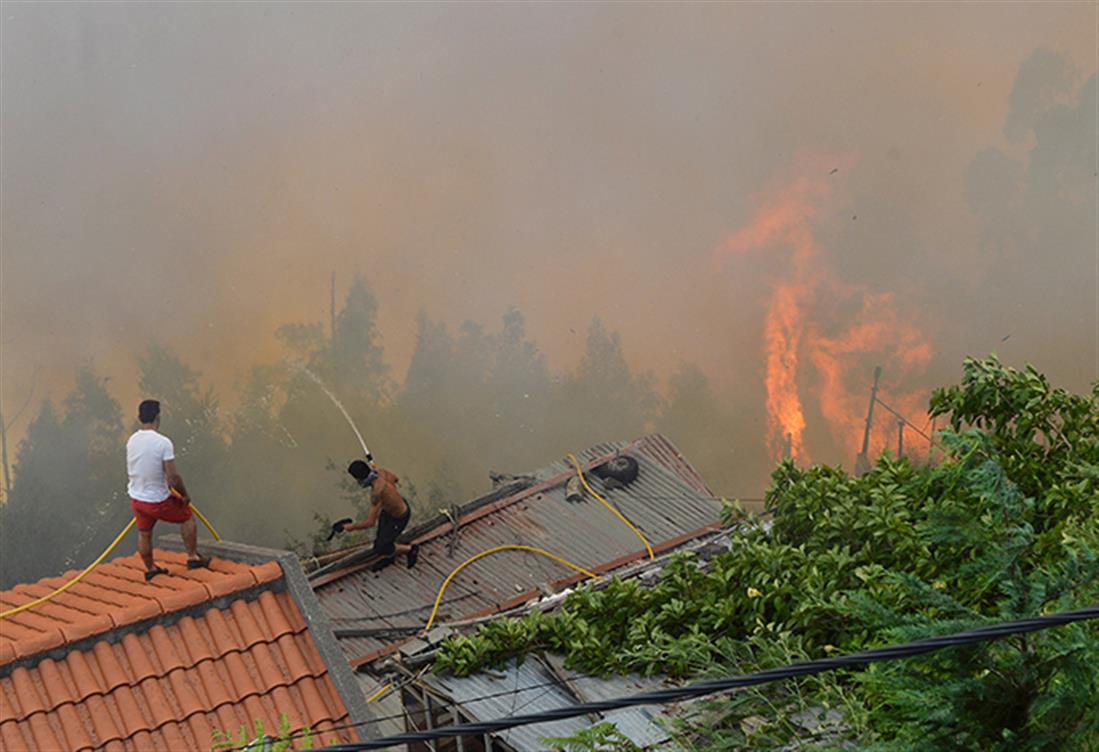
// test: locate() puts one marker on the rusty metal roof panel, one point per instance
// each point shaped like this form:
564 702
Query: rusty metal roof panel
666 502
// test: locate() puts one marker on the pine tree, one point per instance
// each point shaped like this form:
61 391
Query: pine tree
69 498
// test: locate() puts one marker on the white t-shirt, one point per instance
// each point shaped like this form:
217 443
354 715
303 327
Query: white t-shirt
146 452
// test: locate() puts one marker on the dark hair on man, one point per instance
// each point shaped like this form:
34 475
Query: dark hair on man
148 410
359 470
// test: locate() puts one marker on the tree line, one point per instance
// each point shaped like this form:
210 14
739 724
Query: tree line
269 471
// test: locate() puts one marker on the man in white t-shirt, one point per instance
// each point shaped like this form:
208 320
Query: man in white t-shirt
157 491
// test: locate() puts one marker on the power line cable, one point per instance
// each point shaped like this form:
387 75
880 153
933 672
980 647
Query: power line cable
907 422
457 703
699 689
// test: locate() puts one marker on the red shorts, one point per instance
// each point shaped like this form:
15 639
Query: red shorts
170 510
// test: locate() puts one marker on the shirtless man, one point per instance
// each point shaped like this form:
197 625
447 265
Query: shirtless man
388 508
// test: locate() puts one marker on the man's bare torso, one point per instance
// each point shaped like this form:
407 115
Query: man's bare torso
383 491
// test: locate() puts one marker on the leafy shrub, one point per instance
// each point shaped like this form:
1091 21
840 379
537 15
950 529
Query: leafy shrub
256 740
1006 527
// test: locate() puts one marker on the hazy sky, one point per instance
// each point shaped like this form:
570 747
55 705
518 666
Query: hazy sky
194 172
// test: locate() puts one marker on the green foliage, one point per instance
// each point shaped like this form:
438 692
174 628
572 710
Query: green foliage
256 740
602 737
1007 526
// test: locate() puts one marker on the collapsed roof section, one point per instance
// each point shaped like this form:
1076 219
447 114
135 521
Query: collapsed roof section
374 614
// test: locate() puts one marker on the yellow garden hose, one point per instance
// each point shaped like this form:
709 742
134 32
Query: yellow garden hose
94 564
470 560
475 557
201 516
580 474
74 580
378 694
206 522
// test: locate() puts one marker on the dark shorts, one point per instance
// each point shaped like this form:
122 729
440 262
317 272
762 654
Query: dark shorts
389 529
170 510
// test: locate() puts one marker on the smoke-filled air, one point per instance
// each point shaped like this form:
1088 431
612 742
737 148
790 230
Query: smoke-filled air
476 237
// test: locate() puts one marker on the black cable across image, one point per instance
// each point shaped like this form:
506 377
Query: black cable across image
554 683
702 688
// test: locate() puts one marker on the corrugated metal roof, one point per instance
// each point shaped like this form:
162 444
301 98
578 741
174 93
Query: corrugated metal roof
668 502
532 687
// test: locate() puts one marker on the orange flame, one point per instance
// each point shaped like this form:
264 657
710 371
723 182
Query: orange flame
875 329
782 333
801 309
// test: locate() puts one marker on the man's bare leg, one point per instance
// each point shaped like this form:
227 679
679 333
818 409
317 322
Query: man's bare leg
145 548
189 531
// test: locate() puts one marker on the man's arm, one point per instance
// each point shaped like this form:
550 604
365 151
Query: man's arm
371 516
175 480
377 493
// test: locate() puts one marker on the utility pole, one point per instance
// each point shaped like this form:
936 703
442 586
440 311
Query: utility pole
4 435
900 437
4 457
862 462
332 308
789 446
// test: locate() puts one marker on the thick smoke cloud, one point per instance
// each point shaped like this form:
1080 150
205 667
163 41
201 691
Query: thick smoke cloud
191 174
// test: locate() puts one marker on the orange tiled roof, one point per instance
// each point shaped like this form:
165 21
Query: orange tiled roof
117 663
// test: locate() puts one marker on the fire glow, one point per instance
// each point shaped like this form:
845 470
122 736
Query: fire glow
804 325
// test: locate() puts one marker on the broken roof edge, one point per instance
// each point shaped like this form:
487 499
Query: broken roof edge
320 628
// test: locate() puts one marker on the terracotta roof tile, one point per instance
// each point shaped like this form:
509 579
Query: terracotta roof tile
195 641
11 739
87 627
220 586
268 572
141 610
42 734
171 685
276 618
181 599
114 595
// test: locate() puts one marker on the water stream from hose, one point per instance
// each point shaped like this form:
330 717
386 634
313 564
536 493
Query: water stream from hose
335 401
